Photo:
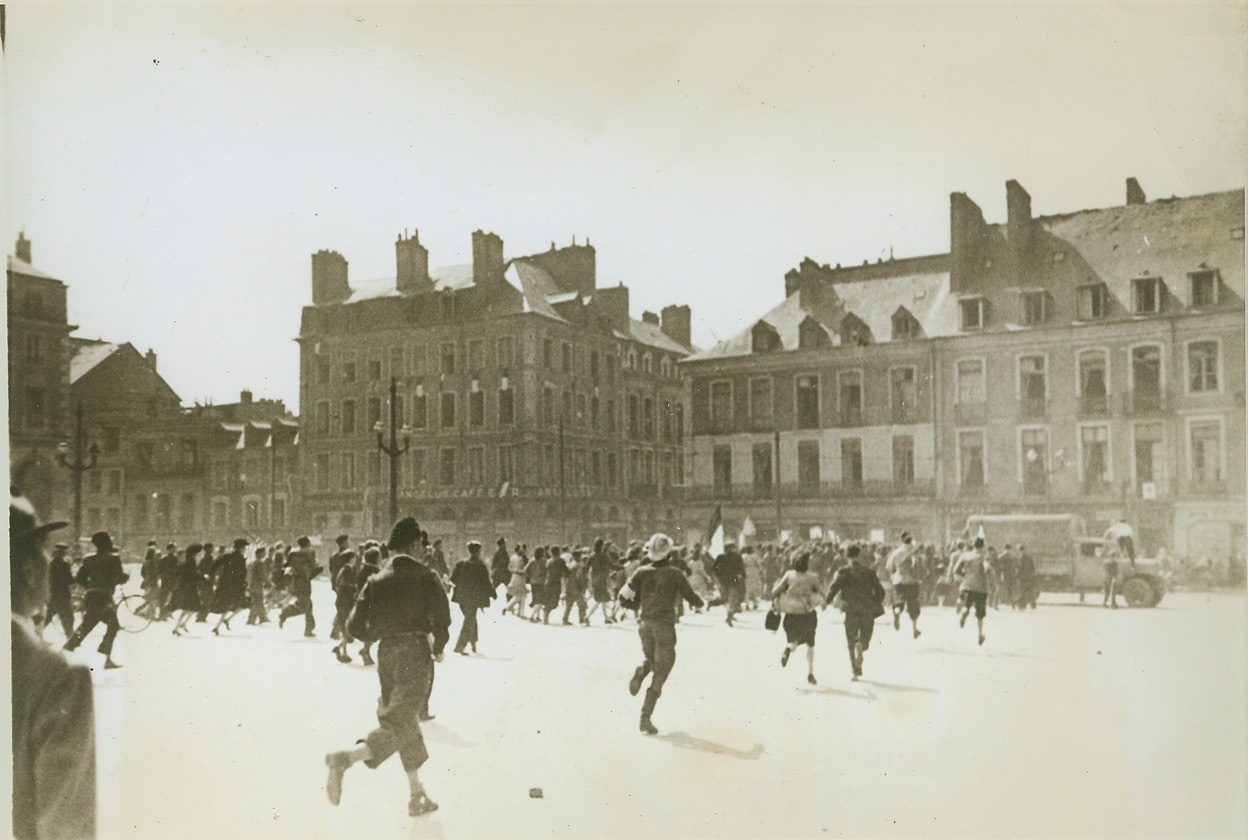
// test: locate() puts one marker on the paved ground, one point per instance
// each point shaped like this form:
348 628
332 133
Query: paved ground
1071 721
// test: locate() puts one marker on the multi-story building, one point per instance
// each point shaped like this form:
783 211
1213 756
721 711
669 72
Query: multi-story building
176 474
40 416
533 405
1089 362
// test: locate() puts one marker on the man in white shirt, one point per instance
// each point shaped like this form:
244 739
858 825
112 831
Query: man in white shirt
902 564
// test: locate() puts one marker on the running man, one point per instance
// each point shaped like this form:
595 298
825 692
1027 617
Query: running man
653 591
903 565
973 569
862 601
100 574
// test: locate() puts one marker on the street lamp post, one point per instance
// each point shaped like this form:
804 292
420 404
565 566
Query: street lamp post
393 450
77 465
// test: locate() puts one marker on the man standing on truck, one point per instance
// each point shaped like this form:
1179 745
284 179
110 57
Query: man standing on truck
973 570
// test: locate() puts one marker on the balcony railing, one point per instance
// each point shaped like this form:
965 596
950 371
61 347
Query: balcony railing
871 489
1093 405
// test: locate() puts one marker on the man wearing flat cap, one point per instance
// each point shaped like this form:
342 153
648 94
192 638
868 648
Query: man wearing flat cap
303 567
53 707
100 575
473 591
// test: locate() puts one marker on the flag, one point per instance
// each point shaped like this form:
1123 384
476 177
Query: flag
242 439
747 529
716 531
981 535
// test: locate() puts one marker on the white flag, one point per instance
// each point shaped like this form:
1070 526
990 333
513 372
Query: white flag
717 542
747 529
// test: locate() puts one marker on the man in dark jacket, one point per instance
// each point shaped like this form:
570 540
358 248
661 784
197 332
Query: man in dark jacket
404 608
499 573
336 561
100 574
303 567
729 569
862 601
653 591
473 592
166 574
60 599
204 567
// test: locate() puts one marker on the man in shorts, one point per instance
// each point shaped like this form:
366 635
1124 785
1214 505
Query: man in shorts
903 565
972 569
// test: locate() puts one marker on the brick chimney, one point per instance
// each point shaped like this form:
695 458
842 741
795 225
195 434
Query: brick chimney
487 258
1135 193
21 249
612 306
968 242
650 318
411 265
150 355
1018 227
329 278
245 397
676 324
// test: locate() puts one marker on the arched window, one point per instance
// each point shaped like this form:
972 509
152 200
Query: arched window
811 335
855 332
905 325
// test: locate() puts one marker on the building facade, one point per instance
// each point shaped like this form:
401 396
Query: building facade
532 405
1089 362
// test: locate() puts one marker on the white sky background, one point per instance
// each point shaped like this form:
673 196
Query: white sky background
177 165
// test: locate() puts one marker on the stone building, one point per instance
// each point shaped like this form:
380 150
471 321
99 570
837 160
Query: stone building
533 405
1088 362
40 415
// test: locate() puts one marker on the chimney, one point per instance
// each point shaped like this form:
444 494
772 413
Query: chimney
150 355
22 249
487 258
612 306
1018 227
968 242
411 265
650 318
245 397
329 278
676 324
1135 193
1018 205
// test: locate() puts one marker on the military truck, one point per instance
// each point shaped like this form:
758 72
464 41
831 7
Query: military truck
1067 559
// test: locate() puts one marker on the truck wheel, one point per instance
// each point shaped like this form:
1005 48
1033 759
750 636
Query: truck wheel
1139 592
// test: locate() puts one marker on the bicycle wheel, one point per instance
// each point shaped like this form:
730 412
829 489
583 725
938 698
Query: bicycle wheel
134 613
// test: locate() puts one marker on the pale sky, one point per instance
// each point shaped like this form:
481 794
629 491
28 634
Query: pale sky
176 165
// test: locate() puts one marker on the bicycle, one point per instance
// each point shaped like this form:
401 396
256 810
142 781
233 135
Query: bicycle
136 611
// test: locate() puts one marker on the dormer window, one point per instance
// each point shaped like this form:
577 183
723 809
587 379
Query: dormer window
764 338
1092 301
1205 285
905 325
855 332
811 335
1035 307
1147 294
974 313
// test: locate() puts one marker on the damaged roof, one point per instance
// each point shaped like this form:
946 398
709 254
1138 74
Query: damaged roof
87 355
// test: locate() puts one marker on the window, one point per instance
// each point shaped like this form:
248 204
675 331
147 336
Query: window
721 406
972 387
851 462
1094 457
220 516
764 338
565 413
973 313
95 481
396 363
582 416
905 325
476 356
348 417
34 349
374 468
1093 381
611 366
420 409
476 408
279 469
721 468
1147 294
1204 288
548 354
114 482
505 352
678 423
416 467
1092 301
1150 454
548 405
971 472
507 464
448 410
374 411
550 467
448 305
36 416
322 471
1032 385
476 466
348 470
417 359
322 418
668 416
1205 437
1035 460
808 463
348 367
506 406
448 358
374 369
189 454
1035 307
665 367
279 513
1202 366
565 358
1146 377
399 404
593 413
647 418
322 371
646 364
807 402
903 460
613 471
634 416
902 393
849 397
446 467
762 468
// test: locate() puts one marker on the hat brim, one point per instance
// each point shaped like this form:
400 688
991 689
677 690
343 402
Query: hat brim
47 528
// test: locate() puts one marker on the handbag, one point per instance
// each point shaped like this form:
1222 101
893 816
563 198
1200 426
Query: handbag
772 621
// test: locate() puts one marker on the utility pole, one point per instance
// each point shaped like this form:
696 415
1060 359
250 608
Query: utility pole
394 451
777 487
77 466
563 522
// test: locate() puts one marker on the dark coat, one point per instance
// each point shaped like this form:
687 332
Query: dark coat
860 590
99 575
471 580
186 586
729 568
229 573
403 598
500 573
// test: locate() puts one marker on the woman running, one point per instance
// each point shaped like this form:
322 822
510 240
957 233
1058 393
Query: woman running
799 597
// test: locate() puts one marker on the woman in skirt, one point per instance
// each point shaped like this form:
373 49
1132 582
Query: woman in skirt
229 597
517 586
185 600
799 599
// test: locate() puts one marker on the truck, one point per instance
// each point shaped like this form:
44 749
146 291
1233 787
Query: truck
1067 559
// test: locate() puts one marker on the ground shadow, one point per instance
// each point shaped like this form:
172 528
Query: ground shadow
691 742
840 692
439 734
895 687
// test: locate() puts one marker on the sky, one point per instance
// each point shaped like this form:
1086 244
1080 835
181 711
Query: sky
178 164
